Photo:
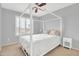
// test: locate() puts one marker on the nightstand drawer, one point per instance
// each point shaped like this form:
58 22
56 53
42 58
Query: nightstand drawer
67 39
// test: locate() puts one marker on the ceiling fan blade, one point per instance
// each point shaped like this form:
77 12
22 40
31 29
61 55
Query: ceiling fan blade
40 4
36 10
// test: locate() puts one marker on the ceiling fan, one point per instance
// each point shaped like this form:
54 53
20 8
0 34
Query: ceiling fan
38 6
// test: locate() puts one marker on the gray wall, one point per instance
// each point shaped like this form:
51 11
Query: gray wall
38 28
8 26
0 25
70 19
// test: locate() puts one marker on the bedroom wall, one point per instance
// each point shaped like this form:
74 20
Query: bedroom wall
70 19
0 26
38 27
8 26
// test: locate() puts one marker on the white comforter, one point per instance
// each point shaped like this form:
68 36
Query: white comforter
42 43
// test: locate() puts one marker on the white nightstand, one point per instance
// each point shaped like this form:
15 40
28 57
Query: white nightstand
67 42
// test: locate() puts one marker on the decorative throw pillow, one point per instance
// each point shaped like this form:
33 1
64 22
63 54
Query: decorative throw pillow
51 32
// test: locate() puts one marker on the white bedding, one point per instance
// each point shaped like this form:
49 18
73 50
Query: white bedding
42 43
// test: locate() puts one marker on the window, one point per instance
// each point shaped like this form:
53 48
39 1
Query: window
17 25
27 23
22 25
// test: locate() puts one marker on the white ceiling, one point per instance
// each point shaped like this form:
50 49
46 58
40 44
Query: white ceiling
50 7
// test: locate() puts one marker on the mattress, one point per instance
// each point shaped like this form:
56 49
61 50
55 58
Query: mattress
41 43
37 37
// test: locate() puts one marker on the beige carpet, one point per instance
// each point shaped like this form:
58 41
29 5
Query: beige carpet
14 50
61 51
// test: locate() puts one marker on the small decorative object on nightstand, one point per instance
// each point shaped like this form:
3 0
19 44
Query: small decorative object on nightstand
67 42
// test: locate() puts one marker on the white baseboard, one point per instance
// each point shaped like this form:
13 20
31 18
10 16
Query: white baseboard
71 48
10 43
75 48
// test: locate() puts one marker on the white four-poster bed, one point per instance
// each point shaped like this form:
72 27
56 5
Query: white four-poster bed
40 44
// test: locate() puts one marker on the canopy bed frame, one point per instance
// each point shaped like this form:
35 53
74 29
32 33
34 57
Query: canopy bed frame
32 36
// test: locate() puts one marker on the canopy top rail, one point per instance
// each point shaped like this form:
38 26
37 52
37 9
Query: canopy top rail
30 5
